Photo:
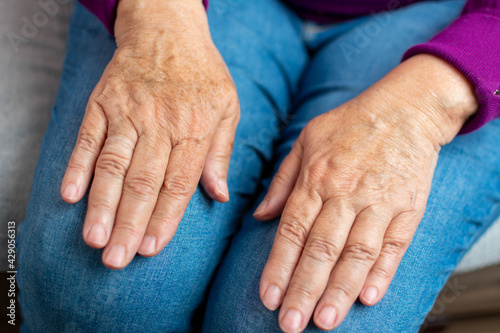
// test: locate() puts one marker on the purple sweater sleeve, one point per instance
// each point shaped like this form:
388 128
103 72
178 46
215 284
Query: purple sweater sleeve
471 44
105 10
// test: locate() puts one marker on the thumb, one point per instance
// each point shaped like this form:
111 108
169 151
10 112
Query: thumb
214 175
282 185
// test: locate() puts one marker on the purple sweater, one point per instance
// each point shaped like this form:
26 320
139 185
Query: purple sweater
471 43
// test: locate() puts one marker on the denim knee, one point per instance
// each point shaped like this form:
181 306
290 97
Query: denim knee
65 287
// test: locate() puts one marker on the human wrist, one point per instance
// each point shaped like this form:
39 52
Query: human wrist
153 21
438 97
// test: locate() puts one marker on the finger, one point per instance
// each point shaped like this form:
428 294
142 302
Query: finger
214 175
182 177
321 252
107 185
358 256
396 241
88 146
282 185
301 210
140 193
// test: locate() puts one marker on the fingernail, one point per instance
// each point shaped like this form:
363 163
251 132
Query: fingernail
326 317
70 192
262 207
97 235
272 297
222 189
116 256
370 295
292 321
148 245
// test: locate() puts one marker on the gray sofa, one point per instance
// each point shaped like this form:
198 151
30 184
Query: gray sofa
29 77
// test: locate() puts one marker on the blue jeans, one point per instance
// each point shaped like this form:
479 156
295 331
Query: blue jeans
286 72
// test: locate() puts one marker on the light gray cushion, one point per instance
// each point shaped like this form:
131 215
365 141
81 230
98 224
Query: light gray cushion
29 77
486 252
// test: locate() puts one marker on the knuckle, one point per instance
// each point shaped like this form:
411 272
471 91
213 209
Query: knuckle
315 173
193 136
377 209
231 101
312 126
225 90
198 138
360 252
121 143
375 213
383 272
161 217
101 206
294 232
112 164
141 187
394 247
237 115
226 156
322 250
177 186
99 100
78 167
344 183
302 291
280 179
344 288
128 228
88 143
220 157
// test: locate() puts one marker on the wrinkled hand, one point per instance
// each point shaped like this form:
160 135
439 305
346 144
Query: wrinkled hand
163 115
353 190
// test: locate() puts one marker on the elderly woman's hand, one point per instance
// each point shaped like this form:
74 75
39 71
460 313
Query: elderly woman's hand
354 189
163 115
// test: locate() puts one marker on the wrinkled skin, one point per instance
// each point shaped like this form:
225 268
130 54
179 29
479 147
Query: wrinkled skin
350 193
353 190
163 115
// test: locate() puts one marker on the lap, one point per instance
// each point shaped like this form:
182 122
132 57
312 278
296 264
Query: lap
462 204
63 285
